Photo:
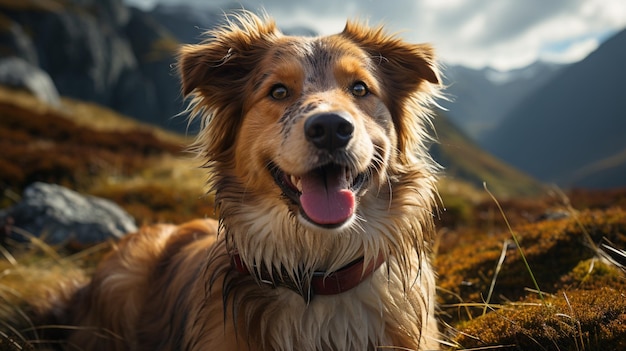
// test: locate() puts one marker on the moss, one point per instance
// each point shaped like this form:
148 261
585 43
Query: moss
593 274
575 320
553 249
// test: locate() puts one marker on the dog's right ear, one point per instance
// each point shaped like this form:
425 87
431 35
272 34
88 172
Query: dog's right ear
224 61
216 74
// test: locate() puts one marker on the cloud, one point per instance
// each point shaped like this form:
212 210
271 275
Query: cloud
500 33
570 53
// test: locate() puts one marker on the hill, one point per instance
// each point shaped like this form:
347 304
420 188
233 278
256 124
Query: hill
464 160
95 150
571 131
91 140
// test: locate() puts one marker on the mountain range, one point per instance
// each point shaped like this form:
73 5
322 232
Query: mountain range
478 99
572 130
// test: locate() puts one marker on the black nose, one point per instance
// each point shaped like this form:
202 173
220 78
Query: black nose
329 131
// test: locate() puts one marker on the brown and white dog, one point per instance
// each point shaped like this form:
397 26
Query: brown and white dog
325 192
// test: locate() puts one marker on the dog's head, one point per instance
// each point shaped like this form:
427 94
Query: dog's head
318 135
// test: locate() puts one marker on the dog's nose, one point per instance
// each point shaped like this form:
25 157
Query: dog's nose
329 131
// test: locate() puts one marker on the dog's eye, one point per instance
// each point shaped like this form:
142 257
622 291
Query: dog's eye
359 89
279 92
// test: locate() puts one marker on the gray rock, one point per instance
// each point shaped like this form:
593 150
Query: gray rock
60 216
18 73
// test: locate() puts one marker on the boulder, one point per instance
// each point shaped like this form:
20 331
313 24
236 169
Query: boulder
18 73
60 216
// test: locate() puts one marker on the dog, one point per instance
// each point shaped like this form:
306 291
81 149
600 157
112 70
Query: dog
317 153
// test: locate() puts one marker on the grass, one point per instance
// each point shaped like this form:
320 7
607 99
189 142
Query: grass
29 279
94 150
503 254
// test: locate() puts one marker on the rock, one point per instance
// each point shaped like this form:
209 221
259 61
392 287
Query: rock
18 73
82 45
60 216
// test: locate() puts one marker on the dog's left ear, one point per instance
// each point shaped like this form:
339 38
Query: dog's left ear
404 65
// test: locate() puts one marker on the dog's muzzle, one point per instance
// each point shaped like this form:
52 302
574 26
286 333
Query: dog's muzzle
327 193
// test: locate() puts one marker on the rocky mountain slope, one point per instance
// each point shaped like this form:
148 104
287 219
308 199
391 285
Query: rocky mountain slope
487 297
97 50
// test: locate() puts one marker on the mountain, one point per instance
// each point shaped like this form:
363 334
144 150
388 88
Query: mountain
464 160
186 22
106 52
572 131
480 98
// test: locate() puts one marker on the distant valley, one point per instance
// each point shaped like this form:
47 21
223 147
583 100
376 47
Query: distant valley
572 130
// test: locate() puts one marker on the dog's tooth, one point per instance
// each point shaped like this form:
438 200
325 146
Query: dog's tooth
296 182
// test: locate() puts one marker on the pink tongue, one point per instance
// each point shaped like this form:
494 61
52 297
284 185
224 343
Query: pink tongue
326 198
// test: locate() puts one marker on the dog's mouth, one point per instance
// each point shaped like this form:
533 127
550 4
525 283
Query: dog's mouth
326 196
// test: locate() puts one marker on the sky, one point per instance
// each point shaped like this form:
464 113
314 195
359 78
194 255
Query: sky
502 34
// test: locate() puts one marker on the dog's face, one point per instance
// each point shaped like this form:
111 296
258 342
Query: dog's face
308 128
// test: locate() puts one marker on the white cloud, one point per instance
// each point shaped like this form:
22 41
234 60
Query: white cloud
572 53
500 33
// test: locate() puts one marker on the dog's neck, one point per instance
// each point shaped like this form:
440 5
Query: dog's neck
320 283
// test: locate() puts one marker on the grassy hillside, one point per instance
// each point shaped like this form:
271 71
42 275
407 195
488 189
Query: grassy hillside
464 160
573 242
93 150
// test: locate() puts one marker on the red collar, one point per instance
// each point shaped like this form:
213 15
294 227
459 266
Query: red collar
322 283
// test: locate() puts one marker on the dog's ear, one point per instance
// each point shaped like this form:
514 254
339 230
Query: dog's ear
216 74
405 65
224 61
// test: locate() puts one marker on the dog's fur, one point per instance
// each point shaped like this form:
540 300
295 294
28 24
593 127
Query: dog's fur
175 287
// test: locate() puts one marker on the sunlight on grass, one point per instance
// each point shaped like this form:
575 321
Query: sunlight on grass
517 244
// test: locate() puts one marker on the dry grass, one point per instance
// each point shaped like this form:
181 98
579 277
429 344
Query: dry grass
86 114
94 150
30 275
